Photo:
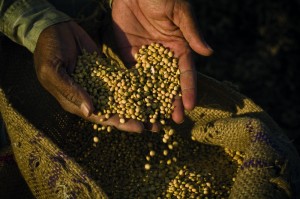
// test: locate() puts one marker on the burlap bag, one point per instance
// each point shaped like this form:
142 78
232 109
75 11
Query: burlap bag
49 146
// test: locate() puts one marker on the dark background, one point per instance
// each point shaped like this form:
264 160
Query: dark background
256 47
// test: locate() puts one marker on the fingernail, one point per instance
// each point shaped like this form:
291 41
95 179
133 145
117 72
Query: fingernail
85 110
181 122
140 129
208 46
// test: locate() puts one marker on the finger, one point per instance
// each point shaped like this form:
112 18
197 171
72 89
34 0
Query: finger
187 24
74 99
130 125
156 127
178 112
70 95
127 54
84 41
114 121
188 78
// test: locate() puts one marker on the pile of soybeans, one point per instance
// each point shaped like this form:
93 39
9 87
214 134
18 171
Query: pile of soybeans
168 164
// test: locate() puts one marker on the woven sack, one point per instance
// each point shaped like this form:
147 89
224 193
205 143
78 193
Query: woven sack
54 151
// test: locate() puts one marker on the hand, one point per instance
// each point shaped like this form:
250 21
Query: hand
55 57
169 22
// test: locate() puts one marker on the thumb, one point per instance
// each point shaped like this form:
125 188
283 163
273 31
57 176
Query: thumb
70 95
186 21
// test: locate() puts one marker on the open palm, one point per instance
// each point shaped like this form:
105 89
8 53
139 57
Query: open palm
169 22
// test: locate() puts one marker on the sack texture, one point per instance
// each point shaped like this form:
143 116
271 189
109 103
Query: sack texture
50 146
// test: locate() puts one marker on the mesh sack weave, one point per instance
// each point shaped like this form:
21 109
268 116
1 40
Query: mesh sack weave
12 183
53 151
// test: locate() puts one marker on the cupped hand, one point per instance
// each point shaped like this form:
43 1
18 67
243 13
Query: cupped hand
169 22
55 58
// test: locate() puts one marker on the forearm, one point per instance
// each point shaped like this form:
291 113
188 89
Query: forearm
23 20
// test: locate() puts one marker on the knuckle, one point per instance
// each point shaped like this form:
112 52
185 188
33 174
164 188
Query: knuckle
71 97
42 72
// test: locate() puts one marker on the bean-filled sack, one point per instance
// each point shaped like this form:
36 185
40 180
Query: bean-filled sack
227 147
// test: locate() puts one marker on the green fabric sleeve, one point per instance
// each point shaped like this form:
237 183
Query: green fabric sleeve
24 20
4 4
110 2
